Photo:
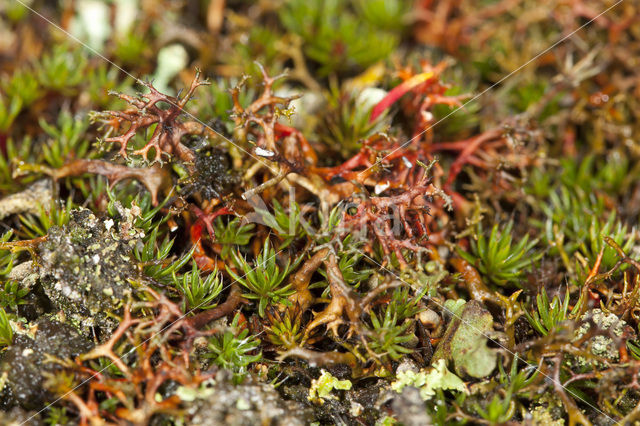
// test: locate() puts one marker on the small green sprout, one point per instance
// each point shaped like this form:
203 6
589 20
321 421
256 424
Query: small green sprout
13 295
547 315
348 262
346 122
288 226
517 378
232 349
16 151
61 69
390 330
496 257
386 14
233 233
324 25
23 84
498 410
6 256
199 293
57 214
285 329
576 224
264 279
9 110
153 258
502 407
67 139
613 229
57 416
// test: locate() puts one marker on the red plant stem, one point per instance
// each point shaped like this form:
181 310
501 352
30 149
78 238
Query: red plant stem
398 91
472 145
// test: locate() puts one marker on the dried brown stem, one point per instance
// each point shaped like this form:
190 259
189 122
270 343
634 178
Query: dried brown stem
299 281
575 415
233 301
154 178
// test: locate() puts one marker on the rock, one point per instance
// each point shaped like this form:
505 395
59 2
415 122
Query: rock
25 364
409 408
407 364
84 269
247 404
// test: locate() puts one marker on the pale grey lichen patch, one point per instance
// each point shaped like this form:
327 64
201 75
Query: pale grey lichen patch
84 268
603 346
18 416
246 404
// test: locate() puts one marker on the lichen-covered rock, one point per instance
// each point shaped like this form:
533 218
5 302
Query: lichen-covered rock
20 417
603 346
84 268
249 403
25 365
409 408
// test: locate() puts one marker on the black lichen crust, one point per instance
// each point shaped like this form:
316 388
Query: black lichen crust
213 176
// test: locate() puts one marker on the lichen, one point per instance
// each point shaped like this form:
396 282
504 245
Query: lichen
603 346
465 341
244 404
322 387
25 361
84 269
436 377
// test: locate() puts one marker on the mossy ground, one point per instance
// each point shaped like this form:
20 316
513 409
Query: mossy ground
328 212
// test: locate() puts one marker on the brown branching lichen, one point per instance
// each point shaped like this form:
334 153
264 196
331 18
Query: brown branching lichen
166 138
